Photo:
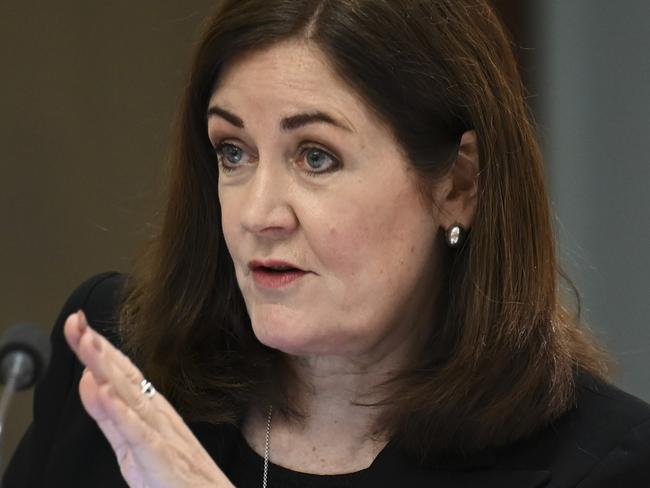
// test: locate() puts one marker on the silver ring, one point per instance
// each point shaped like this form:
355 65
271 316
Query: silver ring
147 389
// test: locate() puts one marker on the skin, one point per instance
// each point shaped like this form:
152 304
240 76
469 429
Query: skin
153 446
372 248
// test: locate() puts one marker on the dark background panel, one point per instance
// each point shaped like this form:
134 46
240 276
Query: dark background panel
88 91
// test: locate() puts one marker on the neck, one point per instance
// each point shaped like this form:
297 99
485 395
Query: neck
334 436
337 433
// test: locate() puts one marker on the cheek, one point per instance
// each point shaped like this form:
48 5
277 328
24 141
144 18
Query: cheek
374 251
229 220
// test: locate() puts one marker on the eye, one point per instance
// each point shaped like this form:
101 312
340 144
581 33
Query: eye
229 156
318 161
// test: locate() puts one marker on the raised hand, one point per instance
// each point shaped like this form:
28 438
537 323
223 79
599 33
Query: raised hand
153 445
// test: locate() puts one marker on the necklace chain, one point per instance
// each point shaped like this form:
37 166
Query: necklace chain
267 448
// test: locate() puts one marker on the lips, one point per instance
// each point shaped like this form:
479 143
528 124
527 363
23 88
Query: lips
275 273
273 265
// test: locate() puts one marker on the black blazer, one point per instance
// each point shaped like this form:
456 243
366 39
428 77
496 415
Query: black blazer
604 442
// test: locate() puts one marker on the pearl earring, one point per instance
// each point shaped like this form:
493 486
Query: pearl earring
455 236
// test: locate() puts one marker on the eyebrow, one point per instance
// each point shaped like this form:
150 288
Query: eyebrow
288 123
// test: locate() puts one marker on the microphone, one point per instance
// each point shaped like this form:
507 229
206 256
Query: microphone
24 355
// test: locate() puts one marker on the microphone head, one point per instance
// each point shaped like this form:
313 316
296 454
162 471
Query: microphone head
31 341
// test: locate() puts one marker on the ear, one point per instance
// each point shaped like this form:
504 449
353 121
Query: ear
457 193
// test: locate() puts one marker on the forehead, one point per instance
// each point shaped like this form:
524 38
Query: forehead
287 76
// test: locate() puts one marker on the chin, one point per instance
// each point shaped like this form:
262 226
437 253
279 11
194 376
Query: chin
295 337
285 338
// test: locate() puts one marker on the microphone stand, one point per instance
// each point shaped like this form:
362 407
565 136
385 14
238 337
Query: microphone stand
14 364
24 355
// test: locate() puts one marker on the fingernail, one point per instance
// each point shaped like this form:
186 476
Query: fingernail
81 321
97 344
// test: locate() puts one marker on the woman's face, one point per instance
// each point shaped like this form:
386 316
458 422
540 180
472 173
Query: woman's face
309 177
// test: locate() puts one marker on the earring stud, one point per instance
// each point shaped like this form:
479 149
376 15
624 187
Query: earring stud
455 236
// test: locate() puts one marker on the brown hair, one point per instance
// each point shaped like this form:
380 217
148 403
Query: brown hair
502 360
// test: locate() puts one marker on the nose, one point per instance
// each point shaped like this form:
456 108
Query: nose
267 210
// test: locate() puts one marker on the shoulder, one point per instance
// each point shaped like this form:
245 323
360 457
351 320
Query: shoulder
605 439
99 297
614 427
604 409
63 444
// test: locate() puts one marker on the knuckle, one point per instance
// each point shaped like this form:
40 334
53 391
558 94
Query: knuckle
140 405
152 440
133 375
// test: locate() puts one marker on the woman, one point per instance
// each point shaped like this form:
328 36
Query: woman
354 285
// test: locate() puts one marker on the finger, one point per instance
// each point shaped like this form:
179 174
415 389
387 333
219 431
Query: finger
94 397
72 331
139 446
89 394
129 466
93 401
169 421
115 437
98 354
140 450
161 458
91 398
109 365
89 346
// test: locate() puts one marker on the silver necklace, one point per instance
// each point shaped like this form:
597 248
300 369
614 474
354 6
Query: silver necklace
267 447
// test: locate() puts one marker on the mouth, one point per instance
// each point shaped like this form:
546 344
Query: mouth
274 273
273 265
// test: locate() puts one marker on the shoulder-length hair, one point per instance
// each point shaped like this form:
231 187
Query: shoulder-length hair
501 361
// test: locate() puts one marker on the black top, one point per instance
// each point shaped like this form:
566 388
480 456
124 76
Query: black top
604 442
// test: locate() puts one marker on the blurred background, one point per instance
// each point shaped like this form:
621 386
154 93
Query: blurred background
88 92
